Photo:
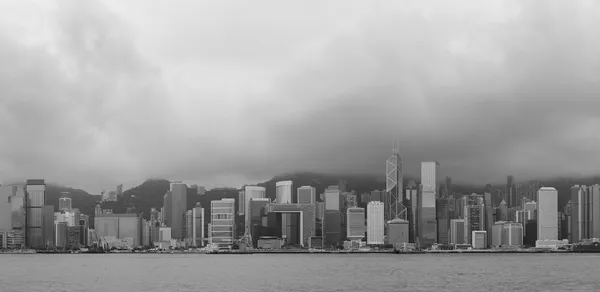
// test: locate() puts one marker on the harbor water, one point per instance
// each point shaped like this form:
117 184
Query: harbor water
302 272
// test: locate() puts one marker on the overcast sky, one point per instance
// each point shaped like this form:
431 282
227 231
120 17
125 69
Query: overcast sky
222 93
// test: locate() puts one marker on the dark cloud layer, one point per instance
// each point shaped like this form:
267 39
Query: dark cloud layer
485 97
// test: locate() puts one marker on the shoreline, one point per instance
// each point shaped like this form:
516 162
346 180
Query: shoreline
337 252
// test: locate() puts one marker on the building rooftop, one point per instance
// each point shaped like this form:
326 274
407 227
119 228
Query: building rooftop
547 189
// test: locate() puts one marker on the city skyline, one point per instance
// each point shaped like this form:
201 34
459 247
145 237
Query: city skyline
119 97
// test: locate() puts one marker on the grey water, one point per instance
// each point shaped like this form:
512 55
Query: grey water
306 272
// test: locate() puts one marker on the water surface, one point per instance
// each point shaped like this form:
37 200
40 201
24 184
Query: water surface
306 272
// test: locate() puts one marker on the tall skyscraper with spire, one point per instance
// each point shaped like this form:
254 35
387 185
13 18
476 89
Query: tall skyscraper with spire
394 186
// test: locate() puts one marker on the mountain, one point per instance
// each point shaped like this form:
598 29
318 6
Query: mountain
79 198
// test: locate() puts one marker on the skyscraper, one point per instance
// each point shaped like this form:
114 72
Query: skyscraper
474 219
332 198
283 190
457 231
222 222
35 199
547 214
356 223
375 223
306 195
510 191
64 202
178 209
251 192
198 225
426 205
394 187
594 194
581 215
166 212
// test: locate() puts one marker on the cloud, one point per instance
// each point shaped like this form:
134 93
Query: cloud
98 93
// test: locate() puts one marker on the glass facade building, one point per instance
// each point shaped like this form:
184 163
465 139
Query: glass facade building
222 227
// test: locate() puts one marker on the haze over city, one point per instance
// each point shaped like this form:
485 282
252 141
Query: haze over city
95 93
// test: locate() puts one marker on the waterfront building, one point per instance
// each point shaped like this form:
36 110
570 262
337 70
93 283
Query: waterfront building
178 209
249 193
511 192
523 216
257 209
512 233
478 239
198 225
356 223
5 215
375 223
474 218
320 210
332 228
164 234
581 215
222 228
189 227
489 212
306 195
594 203
502 212
397 231
119 226
427 211
497 233
443 220
64 202
35 199
413 210
547 220
457 230
301 225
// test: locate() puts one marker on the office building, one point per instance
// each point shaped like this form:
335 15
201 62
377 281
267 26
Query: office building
443 220
178 209
489 212
306 195
222 227
394 186
594 206
249 193
320 210
474 218
283 192
581 214
510 192
397 231
166 210
64 202
198 225
457 231
332 199
497 234
301 226
126 227
35 199
479 239
427 203
547 220
257 209
119 190
355 218
375 223
512 234
332 228
413 218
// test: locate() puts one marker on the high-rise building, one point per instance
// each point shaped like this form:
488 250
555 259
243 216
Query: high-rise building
198 225
250 192
547 220
167 208
178 209
394 187
580 215
332 228
497 234
512 234
594 194
118 226
474 218
356 223
427 211
222 223
443 220
375 223
502 212
397 231
332 198
119 190
413 210
479 239
489 212
64 202
510 191
35 199
283 192
257 206
306 195
457 230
